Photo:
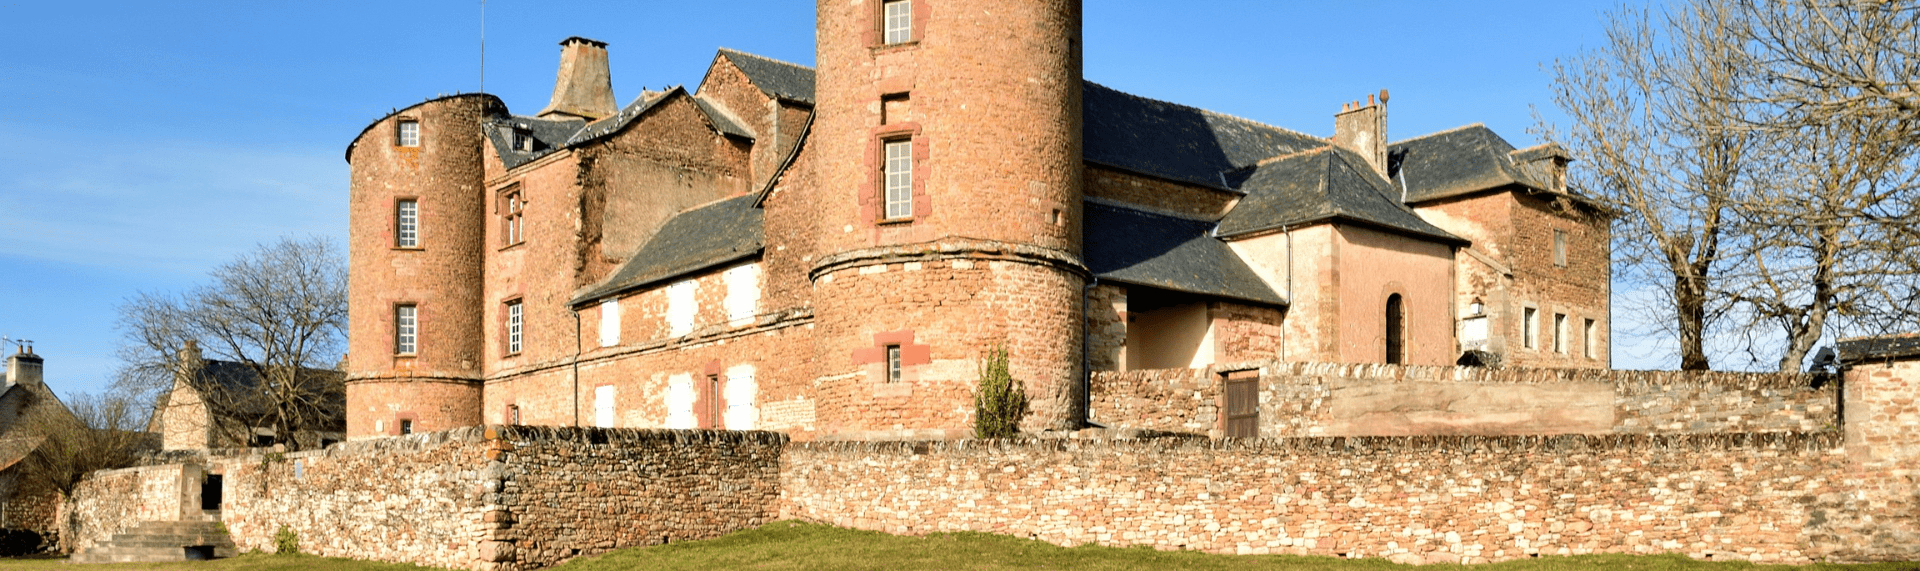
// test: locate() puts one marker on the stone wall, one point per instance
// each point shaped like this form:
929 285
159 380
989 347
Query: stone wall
1410 499
1329 399
111 500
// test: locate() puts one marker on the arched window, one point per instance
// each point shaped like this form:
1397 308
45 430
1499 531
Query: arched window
1396 330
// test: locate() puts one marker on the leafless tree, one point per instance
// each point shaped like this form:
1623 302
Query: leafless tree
276 315
92 432
1648 127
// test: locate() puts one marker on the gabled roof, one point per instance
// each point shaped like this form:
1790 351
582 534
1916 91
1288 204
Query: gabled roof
1853 351
551 134
722 121
703 237
778 79
1177 142
241 396
1319 185
1140 248
1455 162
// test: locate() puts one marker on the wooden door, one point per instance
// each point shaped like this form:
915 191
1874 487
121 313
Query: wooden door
1243 404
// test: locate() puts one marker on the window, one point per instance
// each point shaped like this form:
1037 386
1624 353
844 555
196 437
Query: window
406 426
522 140
743 294
512 205
405 328
898 24
1560 333
513 414
739 395
1590 338
893 363
406 223
683 305
1396 330
1530 327
513 327
1560 248
899 179
609 323
603 406
407 133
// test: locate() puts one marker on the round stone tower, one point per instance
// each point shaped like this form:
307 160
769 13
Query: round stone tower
416 236
948 168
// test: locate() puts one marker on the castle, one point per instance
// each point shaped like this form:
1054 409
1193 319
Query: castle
829 252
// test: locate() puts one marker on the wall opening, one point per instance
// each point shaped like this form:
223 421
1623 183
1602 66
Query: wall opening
1396 330
1167 330
210 493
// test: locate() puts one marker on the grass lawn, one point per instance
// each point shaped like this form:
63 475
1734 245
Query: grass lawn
784 546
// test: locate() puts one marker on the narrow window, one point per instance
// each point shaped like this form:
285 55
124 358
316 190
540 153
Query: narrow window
1396 330
513 414
899 21
893 363
1560 333
1590 338
513 327
1530 324
609 323
899 179
406 224
513 205
407 133
713 402
1560 248
405 328
406 426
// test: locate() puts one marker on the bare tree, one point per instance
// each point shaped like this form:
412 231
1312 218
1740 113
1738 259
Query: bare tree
92 432
1648 125
277 318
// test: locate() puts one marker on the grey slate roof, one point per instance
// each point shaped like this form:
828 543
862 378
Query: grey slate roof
779 79
548 134
238 385
609 125
1323 184
1455 162
1177 142
721 120
1140 248
1871 348
700 238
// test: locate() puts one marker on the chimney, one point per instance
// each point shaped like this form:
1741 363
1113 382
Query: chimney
1363 129
24 368
585 88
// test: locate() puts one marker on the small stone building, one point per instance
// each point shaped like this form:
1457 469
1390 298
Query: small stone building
829 251
215 404
28 410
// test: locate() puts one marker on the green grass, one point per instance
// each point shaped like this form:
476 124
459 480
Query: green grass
247 562
783 546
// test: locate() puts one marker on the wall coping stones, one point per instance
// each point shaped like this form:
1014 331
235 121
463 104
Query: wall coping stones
1623 380
1826 440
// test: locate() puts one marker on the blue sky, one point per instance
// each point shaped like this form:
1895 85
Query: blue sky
147 142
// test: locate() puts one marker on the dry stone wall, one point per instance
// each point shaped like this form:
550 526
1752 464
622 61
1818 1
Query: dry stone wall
111 500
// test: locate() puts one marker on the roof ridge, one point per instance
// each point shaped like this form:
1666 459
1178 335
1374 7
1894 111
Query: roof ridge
727 50
1205 111
1439 133
1285 156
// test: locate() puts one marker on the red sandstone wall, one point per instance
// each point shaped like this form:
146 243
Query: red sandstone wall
1373 265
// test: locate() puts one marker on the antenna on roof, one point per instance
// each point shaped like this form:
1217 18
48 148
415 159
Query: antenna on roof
483 46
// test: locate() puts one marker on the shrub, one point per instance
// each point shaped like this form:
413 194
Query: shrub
1001 399
286 542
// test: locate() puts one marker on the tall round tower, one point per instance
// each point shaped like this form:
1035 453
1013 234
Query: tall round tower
416 232
948 168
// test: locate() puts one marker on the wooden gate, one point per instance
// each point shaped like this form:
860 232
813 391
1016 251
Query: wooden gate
1243 404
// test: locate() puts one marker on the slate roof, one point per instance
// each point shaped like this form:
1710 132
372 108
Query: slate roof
721 120
1140 248
1177 142
1455 162
703 237
243 384
779 79
1872 348
1323 184
548 135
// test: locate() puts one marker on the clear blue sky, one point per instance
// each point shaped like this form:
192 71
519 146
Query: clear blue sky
146 142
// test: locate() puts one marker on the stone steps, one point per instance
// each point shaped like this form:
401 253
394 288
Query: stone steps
158 541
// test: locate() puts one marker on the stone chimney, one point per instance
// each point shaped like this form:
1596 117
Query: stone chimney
1363 129
24 367
585 87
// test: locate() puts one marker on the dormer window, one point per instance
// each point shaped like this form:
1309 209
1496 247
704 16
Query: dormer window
522 140
407 133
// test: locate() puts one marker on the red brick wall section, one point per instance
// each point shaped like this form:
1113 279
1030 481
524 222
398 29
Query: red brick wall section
1245 332
1880 518
376 406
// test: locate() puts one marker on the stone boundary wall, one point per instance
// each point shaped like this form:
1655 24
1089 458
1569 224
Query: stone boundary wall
111 500
504 497
1332 399
1755 497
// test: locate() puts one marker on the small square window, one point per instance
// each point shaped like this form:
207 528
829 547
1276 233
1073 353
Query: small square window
406 224
899 179
893 363
898 23
407 133
522 140
406 426
1560 248
405 329
513 327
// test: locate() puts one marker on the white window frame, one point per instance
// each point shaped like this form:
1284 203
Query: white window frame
894 372
406 329
1560 333
522 140
1530 328
407 133
896 21
610 323
515 324
406 223
512 221
898 178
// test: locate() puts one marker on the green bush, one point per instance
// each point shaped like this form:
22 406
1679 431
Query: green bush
286 542
1001 400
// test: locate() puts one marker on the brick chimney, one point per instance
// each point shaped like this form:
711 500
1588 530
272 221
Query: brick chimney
1363 129
24 367
585 87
